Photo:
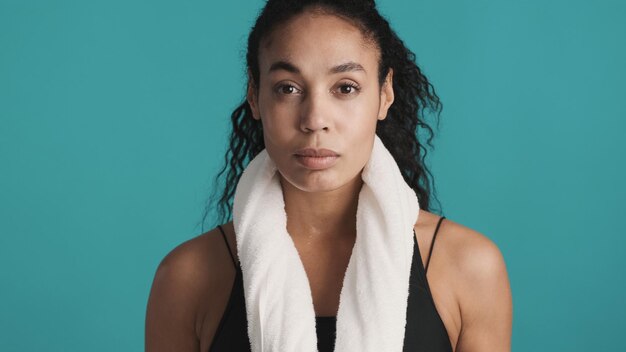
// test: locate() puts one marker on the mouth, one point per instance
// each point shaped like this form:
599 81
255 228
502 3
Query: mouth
317 162
316 152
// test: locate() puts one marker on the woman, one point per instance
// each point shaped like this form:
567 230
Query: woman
332 74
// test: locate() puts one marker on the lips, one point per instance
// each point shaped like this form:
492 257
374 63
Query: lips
316 152
316 159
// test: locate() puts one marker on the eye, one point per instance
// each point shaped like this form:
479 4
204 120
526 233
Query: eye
287 89
348 88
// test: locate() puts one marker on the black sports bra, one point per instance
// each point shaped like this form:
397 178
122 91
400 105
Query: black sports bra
425 330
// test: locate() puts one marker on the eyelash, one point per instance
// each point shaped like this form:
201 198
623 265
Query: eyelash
280 87
354 86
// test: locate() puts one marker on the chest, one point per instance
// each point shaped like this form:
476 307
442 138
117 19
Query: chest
433 296
325 268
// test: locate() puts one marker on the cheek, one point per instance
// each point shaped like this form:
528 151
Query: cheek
278 121
357 134
360 116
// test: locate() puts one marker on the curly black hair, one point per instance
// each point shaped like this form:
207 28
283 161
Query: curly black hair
413 95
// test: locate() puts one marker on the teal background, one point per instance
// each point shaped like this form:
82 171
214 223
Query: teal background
114 117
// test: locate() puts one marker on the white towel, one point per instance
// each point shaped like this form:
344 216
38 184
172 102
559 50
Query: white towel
374 295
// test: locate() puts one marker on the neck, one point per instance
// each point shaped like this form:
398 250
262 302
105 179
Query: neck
327 215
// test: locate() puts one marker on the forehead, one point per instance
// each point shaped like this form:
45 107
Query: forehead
318 40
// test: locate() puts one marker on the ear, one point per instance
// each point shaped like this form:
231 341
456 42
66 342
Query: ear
252 97
386 95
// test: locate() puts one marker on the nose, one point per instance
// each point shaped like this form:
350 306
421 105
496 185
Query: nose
314 114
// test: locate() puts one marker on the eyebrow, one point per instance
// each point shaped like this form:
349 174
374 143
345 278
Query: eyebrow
347 67
289 67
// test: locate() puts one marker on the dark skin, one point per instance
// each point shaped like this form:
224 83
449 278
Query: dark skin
467 274
193 282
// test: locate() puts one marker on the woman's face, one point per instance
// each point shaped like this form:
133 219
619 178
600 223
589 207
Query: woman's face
319 88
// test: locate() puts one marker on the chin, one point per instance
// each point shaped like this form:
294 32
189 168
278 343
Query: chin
313 182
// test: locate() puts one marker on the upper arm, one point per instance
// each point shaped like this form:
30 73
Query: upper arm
179 286
486 301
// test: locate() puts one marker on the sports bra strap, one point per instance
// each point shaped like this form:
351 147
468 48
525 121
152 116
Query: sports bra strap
432 244
228 246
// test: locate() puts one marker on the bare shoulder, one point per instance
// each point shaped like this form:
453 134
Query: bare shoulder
189 283
477 257
481 286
